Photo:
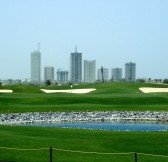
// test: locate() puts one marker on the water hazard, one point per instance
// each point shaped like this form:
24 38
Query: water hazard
113 126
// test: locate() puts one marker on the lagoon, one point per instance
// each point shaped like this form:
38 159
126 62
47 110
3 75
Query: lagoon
111 126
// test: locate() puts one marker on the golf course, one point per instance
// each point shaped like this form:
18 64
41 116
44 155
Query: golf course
32 144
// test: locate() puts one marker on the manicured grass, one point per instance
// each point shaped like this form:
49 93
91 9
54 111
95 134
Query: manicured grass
80 140
108 96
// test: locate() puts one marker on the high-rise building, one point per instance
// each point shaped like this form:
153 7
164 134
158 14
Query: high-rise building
49 73
116 74
89 71
36 67
76 67
103 74
130 72
62 76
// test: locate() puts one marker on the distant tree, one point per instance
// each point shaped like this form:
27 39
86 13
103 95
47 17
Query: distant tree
149 79
141 80
0 83
123 80
156 80
70 83
165 81
48 82
102 73
160 80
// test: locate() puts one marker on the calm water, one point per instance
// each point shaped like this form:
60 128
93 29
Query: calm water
115 126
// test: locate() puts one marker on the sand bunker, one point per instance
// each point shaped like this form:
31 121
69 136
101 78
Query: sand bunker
69 91
153 90
5 91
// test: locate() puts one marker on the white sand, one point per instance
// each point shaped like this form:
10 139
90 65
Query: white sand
153 90
69 91
5 91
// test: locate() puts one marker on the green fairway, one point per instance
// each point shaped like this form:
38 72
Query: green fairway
81 140
108 96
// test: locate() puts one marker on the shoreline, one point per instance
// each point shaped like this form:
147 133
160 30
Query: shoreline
97 116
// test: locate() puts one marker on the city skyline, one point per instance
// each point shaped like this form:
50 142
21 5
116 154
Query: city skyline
111 32
77 75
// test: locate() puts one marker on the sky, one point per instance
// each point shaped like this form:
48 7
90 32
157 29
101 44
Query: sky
112 32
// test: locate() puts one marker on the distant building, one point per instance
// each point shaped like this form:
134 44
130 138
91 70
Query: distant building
49 74
130 72
62 76
105 74
36 67
76 67
89 71
116 74
10 82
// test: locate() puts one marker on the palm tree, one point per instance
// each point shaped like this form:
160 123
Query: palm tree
48 82
102 73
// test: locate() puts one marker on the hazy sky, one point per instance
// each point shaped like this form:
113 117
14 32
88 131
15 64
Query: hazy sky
113 32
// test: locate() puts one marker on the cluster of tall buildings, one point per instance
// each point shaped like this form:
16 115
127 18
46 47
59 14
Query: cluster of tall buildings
74 75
